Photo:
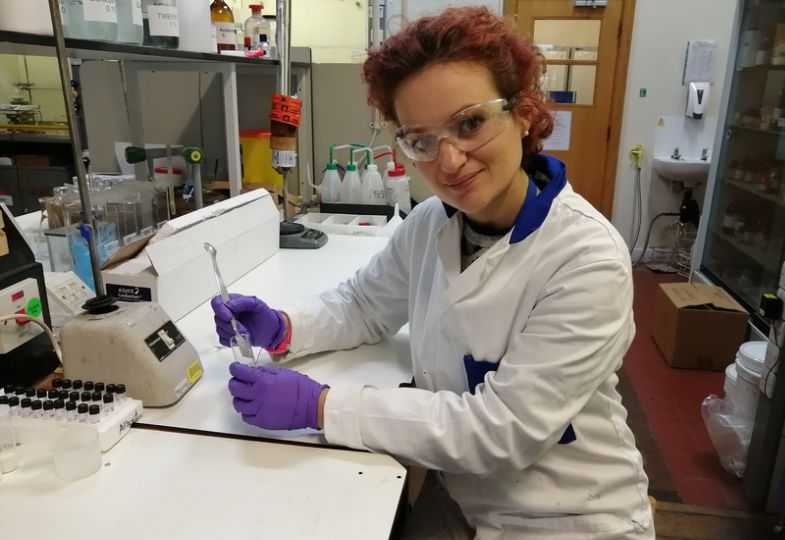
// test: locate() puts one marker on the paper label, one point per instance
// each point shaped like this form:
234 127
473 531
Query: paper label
225 33
100 11
194 371
136 12
284 158
63 13
164 21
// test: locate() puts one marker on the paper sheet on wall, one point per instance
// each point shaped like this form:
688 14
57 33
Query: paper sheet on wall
562 129
699 63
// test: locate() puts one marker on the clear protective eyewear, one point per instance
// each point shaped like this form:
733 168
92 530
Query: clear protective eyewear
467 130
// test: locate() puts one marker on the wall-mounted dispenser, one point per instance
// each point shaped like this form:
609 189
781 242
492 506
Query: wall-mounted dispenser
697 99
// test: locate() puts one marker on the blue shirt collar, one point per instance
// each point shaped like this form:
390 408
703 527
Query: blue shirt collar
547 174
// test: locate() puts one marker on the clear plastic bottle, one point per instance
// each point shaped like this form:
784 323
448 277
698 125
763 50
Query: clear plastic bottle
161 23
398 188
271 24
351 188
257 30
130 28
91 19
225 30
373 191
331 184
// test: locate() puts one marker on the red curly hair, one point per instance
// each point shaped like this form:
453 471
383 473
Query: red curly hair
463 35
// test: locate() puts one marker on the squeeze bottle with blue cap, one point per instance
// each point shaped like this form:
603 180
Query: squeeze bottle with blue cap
373 190
351 191
331 184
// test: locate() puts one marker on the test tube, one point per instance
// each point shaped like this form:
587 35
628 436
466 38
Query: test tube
70 411
35 409
89 385
82 412
57 383
8 456
41 393
76 384
24 407
108 403
59 409
120 393
95 414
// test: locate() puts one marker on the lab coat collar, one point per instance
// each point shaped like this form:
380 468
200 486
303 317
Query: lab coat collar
547 174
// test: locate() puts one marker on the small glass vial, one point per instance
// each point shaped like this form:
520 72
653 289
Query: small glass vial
77 384
49 407
4 400
120 393
52 394
108 403
111 388
8 390
65 384
57 384
59 409
86 397
82 412
99 387
95 414
24 407
73 396
62 394
35 409
41 393
19 391
13 402
89 385
30 392
96 397
70 412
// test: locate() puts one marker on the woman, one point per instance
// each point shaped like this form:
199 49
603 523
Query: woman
519 299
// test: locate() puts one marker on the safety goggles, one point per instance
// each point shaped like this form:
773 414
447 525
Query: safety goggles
467 130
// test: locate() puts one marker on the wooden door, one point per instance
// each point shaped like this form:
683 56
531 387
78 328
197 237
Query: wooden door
586 52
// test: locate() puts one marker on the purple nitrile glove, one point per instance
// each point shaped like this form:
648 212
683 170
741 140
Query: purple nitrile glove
265 326
275 398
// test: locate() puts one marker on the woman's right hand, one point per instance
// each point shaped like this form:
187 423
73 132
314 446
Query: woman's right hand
266 327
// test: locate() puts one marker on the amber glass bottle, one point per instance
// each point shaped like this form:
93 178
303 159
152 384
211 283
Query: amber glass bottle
223 22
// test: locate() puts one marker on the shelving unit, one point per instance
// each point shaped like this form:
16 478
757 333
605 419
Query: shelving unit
776 199
233 70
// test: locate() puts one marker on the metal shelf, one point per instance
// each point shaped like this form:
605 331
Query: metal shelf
768 261
757 130
39 45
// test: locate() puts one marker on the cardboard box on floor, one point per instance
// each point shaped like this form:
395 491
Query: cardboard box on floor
698 326
176 272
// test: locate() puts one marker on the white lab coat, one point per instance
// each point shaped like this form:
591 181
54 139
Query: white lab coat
551 314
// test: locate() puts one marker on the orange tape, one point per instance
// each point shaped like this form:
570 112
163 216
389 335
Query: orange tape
286 110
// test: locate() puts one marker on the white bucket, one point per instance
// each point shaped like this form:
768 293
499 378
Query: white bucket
730 380
749 366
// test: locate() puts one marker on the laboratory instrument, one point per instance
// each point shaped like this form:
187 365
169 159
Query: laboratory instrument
193 157
223 25
26 353
297 236
241 340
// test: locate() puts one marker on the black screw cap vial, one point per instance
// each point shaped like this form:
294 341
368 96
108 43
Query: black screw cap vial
65 384
89 385
70 406
77 384
82 408
57 383
36 405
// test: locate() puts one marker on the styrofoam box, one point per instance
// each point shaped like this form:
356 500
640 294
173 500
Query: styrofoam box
346 224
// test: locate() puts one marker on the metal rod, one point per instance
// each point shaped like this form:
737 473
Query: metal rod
282 37
88 219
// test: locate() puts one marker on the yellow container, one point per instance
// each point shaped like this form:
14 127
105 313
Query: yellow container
258 160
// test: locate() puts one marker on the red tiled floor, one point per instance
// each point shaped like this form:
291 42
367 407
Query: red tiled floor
671 399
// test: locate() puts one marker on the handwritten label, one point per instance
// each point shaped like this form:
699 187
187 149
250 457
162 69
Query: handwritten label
100 11
164 21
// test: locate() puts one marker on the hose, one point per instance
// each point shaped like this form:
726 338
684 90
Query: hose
648 235
636 156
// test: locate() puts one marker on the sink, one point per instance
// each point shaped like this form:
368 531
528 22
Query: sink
689 171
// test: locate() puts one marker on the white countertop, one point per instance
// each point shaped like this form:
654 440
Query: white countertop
282 279
160 485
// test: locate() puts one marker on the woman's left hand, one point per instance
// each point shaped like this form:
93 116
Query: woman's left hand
275 398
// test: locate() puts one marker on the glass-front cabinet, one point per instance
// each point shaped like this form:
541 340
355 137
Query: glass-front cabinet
745 238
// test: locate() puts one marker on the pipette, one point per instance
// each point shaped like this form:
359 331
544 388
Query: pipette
242 340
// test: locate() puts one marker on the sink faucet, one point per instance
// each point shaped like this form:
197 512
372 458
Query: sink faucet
705 154
676 155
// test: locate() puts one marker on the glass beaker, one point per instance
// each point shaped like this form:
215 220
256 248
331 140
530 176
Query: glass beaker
248 355
76 452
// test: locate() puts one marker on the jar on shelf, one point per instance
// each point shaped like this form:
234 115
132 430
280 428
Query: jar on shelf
745 233
91 19
761 234
741 170
730 221
762 180
732 168
130 28
751 117
774 179
750 173
161 23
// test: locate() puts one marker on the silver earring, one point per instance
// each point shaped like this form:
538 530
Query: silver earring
526 133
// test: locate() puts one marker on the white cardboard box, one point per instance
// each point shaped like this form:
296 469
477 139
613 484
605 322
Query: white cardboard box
176 272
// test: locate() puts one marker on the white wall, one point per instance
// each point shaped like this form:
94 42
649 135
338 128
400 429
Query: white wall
659 40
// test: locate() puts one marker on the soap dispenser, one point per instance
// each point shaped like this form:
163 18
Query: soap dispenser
697 99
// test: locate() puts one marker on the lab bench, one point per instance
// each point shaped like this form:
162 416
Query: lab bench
196 470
